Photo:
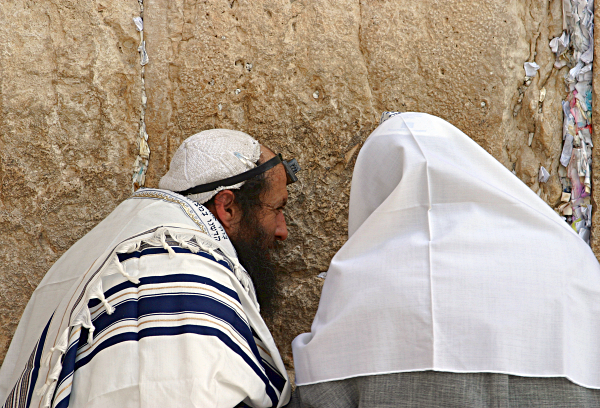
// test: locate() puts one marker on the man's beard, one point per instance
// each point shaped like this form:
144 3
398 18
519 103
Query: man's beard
254 247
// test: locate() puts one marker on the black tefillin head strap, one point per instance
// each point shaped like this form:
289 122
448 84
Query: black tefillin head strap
291 168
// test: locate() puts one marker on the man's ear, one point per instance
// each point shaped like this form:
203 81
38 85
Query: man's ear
226 210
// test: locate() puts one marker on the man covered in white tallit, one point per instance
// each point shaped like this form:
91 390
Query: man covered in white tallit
156 307
458 286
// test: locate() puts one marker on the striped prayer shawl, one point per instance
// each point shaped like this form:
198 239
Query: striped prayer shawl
176 323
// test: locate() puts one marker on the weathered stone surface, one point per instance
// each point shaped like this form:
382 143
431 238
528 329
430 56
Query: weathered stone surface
464 62
69 100
308 78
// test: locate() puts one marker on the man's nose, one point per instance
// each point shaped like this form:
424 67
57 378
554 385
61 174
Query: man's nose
281 232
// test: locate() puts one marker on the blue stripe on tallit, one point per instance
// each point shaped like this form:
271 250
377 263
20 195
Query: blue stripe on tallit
179 250
174 278
150 304
67 371
21 394
64 403
36 363
178 330
166 304
274 376
169 304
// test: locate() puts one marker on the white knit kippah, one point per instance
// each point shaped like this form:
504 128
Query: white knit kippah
210 156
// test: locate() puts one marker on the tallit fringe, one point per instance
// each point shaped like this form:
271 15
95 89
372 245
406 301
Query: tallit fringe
48 389
95 291
128 247
117 264
242 276
184 240
160 238
42 391
98 293
61 346
84 318
49 394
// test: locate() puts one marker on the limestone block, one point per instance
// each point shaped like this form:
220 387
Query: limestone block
69 100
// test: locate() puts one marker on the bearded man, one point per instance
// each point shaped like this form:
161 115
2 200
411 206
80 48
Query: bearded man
158 306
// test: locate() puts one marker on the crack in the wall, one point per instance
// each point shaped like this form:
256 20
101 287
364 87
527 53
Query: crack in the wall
574 48
141 162
533 140
364 58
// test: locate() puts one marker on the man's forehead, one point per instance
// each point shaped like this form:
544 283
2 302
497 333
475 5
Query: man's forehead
278 171
278 190
266 153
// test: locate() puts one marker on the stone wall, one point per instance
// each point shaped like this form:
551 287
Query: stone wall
69 112
308 78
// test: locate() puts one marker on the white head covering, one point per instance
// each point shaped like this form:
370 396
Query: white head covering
210 156
452 264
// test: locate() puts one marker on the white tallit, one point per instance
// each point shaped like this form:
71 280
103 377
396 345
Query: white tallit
168 315
452 264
